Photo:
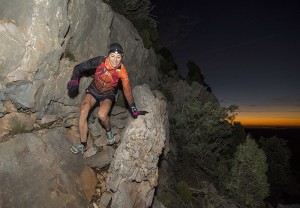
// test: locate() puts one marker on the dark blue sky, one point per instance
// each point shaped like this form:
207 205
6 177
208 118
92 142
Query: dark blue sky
249 52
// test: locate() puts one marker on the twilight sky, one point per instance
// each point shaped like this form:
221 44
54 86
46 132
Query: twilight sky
248 51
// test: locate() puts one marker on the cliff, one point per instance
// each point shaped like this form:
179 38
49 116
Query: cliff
41 42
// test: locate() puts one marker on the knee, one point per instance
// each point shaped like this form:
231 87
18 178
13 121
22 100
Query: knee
102 116
84 110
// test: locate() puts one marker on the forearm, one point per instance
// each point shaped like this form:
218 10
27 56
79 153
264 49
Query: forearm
128 93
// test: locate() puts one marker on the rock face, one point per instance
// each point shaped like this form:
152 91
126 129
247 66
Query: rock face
38 170
133 173
41 42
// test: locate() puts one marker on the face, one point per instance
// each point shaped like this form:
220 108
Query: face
114 59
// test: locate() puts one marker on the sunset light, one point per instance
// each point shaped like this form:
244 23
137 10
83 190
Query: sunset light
290 118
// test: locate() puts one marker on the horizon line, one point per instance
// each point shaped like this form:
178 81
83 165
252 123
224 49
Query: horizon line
270 126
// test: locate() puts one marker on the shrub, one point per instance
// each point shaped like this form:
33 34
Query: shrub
165 197
202 133
69 55
17 126
167 93
248 180
145 35
238 136
183 191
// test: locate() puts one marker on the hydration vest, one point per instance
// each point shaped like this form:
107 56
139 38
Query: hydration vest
105 78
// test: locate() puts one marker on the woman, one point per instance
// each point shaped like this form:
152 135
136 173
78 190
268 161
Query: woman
108 71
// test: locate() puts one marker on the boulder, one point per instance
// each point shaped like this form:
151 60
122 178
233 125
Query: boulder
38 170
47 120
101 159
133 173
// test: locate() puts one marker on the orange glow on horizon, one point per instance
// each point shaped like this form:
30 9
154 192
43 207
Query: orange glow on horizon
291 118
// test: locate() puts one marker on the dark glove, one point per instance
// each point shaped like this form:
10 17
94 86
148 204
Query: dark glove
73 85
134 111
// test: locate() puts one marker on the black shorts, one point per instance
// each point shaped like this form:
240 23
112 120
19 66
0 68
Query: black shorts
100 97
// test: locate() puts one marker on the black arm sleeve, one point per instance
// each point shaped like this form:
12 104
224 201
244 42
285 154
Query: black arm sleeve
90 64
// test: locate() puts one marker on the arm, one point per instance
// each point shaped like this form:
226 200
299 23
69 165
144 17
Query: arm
126 85
82 67
128 92
86 66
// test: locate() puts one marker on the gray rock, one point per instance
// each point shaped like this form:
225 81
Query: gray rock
47 120
105 199
101 159
36 35
38 170
21 94
21 12
118 123
2 99
91 151
133 173
117 110
12 43
2 95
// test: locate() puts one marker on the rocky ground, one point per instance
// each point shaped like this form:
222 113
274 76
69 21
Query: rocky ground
104 176
119 115
100 187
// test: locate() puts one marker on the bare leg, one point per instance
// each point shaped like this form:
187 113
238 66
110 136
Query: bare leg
86 104
104 109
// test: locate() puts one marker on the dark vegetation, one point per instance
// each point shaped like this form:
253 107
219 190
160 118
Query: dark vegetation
220 165
196 75
215 162
167 63
283 159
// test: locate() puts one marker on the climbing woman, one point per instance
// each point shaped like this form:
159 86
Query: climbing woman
102 91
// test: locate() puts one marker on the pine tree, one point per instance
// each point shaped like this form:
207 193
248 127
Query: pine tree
248 179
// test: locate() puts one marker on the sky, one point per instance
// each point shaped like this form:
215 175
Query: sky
248 52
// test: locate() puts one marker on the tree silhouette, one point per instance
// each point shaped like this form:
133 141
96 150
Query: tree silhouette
194 74
278 156
167 63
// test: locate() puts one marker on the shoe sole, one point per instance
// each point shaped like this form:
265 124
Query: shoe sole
76 151
111 141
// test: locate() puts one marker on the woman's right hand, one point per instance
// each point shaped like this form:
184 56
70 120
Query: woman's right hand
73 84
